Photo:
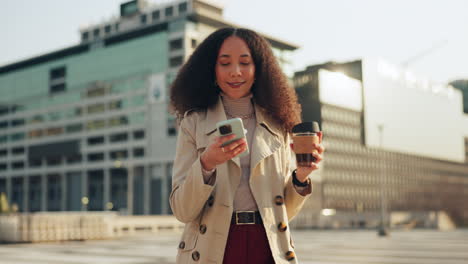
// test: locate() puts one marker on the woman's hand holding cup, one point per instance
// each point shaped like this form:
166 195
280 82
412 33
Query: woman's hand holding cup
307 145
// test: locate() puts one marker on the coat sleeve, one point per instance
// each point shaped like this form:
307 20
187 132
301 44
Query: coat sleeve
189 191
292 198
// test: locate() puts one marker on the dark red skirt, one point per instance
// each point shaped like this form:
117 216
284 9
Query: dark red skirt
247 244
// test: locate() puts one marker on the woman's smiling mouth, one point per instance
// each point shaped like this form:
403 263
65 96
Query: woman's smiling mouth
235 84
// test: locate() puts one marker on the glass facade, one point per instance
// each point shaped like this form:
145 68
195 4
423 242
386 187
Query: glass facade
76 128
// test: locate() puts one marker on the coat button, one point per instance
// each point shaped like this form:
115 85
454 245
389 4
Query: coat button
195 255
290 255
210 200
282 227
182 245
202 229
279 200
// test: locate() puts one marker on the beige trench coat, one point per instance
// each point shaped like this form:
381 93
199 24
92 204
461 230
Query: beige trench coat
206 210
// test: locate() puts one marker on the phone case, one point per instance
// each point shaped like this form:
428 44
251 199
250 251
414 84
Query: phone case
237 128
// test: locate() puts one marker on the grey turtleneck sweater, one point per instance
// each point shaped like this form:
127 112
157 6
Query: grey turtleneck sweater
243 108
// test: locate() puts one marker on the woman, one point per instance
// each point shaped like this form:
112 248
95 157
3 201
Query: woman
236 210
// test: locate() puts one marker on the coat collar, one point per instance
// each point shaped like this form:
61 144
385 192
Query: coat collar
267 137
217 114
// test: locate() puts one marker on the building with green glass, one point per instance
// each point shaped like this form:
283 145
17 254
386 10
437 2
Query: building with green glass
87 128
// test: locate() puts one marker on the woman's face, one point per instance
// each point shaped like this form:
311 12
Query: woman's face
235 69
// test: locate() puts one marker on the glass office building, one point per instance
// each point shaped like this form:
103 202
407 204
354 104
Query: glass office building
392 140
87 127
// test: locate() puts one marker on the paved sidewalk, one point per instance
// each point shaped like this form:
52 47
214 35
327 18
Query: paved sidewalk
317 247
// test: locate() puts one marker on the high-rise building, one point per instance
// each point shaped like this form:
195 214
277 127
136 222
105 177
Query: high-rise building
88 127
392 141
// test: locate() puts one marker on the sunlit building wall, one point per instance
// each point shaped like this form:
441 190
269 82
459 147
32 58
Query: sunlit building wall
88 127
349 183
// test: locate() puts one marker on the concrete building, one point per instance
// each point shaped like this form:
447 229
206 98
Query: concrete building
87 127
392 139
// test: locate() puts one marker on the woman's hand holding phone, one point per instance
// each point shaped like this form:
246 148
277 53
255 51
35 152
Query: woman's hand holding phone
216 153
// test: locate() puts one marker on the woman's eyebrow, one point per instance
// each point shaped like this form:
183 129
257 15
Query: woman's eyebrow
228 56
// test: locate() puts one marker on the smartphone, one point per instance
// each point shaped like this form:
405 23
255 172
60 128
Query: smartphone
232 126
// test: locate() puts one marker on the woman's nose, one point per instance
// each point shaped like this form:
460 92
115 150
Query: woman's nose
236 71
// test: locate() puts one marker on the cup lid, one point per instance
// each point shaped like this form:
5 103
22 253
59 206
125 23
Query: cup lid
306 127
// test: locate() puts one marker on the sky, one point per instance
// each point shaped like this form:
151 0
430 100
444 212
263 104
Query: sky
429 36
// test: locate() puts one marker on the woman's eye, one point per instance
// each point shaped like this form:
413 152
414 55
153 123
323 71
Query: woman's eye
224 64
245 63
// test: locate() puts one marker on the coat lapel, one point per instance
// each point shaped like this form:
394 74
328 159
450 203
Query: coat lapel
267 138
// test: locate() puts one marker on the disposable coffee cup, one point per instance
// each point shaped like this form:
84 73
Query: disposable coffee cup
304 137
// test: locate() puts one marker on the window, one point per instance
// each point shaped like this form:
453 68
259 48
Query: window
35 133
54 131
35 163
119 154
155 15
84 36
18 165
194 43
138 152
175 61
74 159
107 29
58 73
182 8
53 161
54 116
58 88
3 110
17 136
4 124
95 140
97 90
139 134
96 108
129 8
36 119
96 156
115 105
118 121
17 122
57 81
3 166
136 118
3 152
96 32
119 137
171 126
143 19
116 26
74 128
17 151
96 124
78 111
169 11
175 44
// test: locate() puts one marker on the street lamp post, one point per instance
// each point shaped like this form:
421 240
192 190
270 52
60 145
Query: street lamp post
382 227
